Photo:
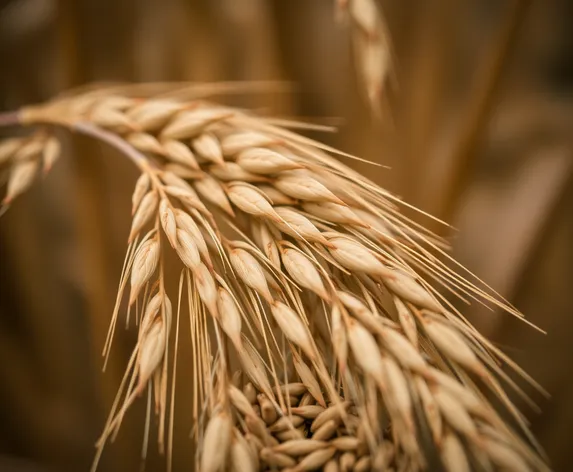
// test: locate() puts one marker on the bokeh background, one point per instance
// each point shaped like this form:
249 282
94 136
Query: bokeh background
478 130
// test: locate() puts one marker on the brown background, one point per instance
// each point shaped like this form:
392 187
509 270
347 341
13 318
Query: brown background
479 131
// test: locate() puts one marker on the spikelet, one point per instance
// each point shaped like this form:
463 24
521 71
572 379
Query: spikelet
8 149
265 161
151 351
293 327
229 317
304 187
144 213
217 442
250 200
21 178
51 153
302 270
144 265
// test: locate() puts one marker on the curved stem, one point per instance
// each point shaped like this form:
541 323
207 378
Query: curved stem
9 118
115 141
12 118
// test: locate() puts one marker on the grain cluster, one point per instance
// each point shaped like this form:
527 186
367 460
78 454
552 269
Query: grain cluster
303 272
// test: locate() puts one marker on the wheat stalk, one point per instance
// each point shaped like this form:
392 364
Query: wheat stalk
371 46
350 358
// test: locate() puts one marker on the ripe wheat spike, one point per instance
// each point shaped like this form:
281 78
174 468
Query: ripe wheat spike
303 270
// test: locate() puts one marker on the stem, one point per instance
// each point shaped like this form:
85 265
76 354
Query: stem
12 118
9 118
115 141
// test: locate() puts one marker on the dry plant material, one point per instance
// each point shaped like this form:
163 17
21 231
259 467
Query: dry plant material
371 44
304 271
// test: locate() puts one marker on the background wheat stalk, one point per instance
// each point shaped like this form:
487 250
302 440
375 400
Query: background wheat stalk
297 271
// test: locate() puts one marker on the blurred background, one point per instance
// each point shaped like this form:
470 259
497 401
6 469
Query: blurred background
478 131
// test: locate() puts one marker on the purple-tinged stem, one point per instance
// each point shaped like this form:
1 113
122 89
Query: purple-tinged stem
9 118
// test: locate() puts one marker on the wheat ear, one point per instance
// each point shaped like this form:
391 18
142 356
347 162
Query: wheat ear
351 359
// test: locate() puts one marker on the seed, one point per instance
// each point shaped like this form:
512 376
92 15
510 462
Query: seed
403 351
237 142
276 197
217 442
286 422
406 287
295 388
365 349
266 242
190 123
144 142
229 317
250 272
455 414
347 461
464 395
333 212
212 191
207 288
304 187
364 464
268 411
384 456
339 341
153 114
363 314
208 147
504 457
250 200
298 226
265 161
276 458
300 447
333 413
316 459
229 171
397 389
240 401
250 392
151 352
242 459
308 411
453 455
345 443
407 322
110 118
431 409
167 219
303 271
187 250
453 345
186 224
255 369
290 435
183 172
354 256
331 466
306 400
141 188
143 213
21 177
51 153
144 265
293 328
258 427
8 148
177 152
